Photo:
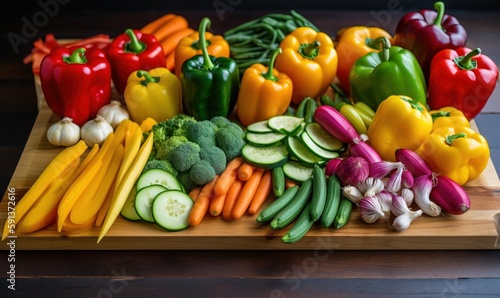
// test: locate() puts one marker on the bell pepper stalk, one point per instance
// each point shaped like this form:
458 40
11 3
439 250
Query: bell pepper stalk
427 32
132 51
310 60
390 71
76 82
352 43
462 78
190 46
448 116
399 122
457 152
153 94
264 92
210 85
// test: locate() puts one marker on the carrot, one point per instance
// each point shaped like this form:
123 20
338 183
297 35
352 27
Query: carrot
247 193
170 42
289 183
202 203
217 204
150 27
262 192
175 24
227 176
195 192
231 196
170 61
245 171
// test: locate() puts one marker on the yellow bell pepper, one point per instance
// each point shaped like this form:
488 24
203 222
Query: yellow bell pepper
458 153
153 94
448 116
264 92
310 60
399 122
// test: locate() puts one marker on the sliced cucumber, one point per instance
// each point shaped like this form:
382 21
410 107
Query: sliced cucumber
323 138
158 177
289 125
144 200
301 152
264 139
296 171
265 157
171 209
316 149
128 209
259 127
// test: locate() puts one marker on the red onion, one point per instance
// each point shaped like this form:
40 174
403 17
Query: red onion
413 162
331 166
364 150
450 196
336 124
352 170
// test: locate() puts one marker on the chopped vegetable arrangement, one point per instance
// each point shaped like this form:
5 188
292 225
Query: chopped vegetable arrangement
273 119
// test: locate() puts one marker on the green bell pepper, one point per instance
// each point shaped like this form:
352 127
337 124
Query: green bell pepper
391 71
210 85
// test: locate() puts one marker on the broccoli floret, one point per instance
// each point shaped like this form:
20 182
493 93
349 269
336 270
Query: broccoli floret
202 133
160 164
184 156
180 123
201 172
230 140
220 121
186 182
215 156
168 145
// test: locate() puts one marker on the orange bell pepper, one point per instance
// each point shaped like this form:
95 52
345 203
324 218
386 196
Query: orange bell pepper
264 92
190 46
352 43
310 60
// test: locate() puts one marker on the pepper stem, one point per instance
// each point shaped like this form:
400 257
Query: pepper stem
439 115
204 24
413 103
466 62
269 74
439 7
383 44
449 139
77 57
310 50
134 45
147 77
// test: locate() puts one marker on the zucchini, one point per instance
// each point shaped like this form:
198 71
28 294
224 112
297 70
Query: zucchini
296 171
322 137
277 205
265 157
344 212
289 125
301 152
333 191
259 127
318 197
264 139
301 226
128 209
158 177
171 209
317 150
311 106
278 178
292 210
144 200
301 109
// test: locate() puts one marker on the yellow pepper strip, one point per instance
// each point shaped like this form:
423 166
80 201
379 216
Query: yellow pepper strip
310 60
126 185
448 116
189 47
352 43
264 93
55 168
70 227
155 93
101 214
131 150
147 124
399 122
458 153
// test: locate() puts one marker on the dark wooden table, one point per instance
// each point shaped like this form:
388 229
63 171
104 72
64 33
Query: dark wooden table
315 273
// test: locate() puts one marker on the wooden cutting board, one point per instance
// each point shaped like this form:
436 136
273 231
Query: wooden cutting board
478 228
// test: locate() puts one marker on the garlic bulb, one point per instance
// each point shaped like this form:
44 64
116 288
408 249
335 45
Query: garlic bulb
404 215
370 210
114 113
95 131
63 133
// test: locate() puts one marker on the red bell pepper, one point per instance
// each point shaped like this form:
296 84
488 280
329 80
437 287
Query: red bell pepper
461 78
132 51
427 32
76 82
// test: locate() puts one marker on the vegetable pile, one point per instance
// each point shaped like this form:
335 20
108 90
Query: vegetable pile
274 120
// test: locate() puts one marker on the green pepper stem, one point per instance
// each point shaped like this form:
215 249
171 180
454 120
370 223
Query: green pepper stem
147 77
269 74
413 103
439 115
383 44
310 50
134 45
439 7
449 139
466 62
77 57
204 24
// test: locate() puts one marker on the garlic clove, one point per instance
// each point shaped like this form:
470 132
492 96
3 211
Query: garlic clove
402 222
370 210
383 168
422 188
385 200
407 195
370 186
394 182
352 193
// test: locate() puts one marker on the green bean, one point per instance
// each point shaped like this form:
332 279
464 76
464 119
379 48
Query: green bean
254 54
301 19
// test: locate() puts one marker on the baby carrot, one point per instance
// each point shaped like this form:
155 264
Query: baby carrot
217 204
176 23
289 183
227 176
156 23
261 194
195 192
170 61
231 196
245 171
169 42
202 203
247 193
